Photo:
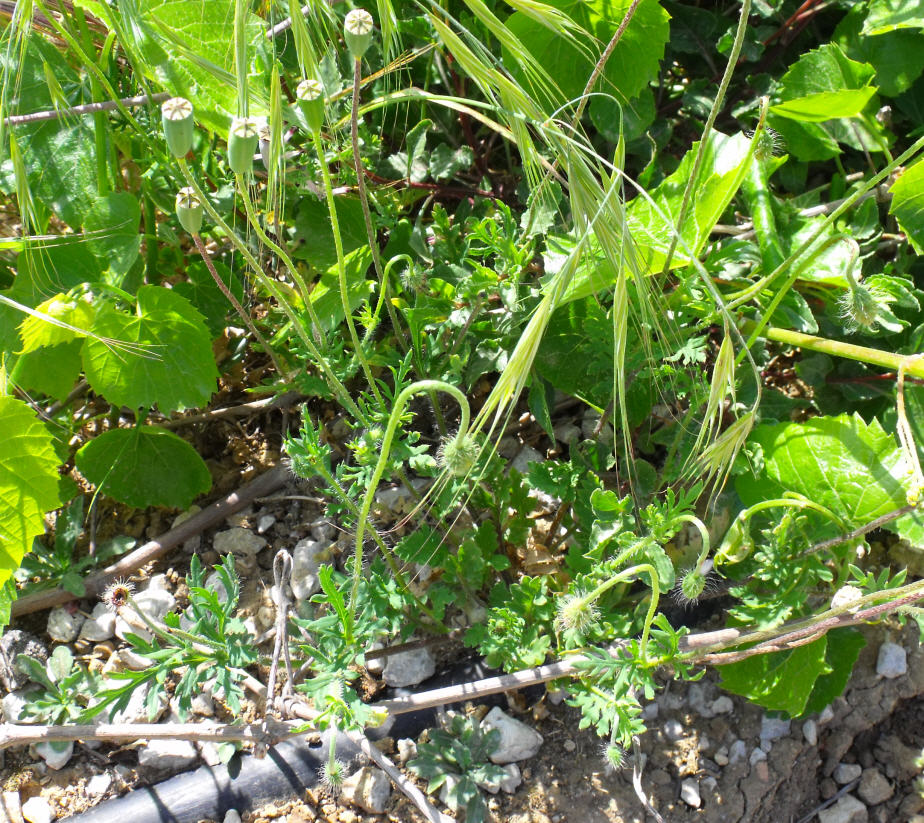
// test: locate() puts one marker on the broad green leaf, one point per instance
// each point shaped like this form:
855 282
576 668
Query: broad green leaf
446 161
170 364
58 154
632 65
202 291
908 204
144 466
28 482
325 296
896 56
825 105
826 70
75 313
314 236
724 165
888 15
781 681
51 371
844 647
188 48
854 468
112 228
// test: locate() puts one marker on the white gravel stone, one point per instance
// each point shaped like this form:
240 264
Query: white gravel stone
265 523
721 756
407 750
167 755
723 705
567 433
155 603
847 810
368 789
513 779
135 711
773 728
874 788
98 784
557 696
847 772
737 752
673 730
56 754
651 710
757 754
238 541
696 700
232 816
15 702
37 810
525 458
62 625
307 557
810 732
322 530
517 740
892 661
409 668
10 807
689 793
100 625
826 715
395 499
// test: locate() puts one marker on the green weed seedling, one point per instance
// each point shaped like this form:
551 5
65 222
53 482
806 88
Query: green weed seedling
457 756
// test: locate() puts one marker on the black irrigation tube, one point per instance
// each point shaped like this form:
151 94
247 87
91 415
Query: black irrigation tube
248 781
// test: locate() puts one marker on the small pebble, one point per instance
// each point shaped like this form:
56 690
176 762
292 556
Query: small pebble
689 793
264 524
37 810
773 728
892 661
650 710
721 756
570 745
847 810
63 625
847 772
810 732
723 705
673 730
826 715
232 816
874 788
98 785
758 755
737 752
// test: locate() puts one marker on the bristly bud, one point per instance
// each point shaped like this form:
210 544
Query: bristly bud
176 115
615 756
242 144
860 308
333 773
458 455
310 96
189 210
357 32
577 613
769 144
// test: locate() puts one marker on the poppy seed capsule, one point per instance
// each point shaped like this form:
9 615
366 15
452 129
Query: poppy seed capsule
310 96
357 32
189 210
176 114
242 144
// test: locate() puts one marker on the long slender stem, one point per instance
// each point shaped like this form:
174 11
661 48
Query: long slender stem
229 296
341 268
367 214
282 254
336 386
393 420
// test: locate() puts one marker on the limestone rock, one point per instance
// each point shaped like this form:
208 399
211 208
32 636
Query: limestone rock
63 625
368 789
847 810
409 668
517 740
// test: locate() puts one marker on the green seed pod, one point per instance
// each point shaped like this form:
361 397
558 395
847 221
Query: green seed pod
458 455
189 210
310 96
242 144
177 117
357 32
